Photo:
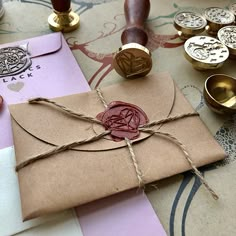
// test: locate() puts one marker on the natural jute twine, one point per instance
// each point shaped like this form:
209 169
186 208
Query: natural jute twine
144 128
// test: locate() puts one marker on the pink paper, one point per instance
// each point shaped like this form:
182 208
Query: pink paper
54 72
125 214
6 139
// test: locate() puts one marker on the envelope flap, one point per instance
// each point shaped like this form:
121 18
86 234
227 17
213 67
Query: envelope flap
154 95
46 44
42 45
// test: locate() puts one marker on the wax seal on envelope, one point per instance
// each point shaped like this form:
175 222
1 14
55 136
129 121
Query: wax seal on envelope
189 24
205 52
217 18
123 120
14 60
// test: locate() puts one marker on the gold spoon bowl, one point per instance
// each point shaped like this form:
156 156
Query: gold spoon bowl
220 93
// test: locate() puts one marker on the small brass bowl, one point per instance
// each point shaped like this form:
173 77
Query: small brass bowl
220 93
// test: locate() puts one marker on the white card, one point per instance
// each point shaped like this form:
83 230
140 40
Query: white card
67 225
10 206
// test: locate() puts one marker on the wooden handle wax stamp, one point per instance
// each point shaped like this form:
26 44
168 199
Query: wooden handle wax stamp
63 18
133 59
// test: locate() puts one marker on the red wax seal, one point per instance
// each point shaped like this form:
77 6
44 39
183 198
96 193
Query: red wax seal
1 102
123 120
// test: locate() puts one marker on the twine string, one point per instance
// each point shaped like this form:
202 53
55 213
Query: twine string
129 145
135 163
187 156
61 148
169 119
100 95
65 109
145 128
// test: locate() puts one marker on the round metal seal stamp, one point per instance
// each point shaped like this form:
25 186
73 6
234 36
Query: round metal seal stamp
14 60
189 24
217 18
227 35
132 60
205 52
232 8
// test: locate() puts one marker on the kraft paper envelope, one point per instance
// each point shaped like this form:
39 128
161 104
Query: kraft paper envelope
103 167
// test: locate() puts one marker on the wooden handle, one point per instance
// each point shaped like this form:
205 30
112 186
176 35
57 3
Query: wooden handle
136 12
61 5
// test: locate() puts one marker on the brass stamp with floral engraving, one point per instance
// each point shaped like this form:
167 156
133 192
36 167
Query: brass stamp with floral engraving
133 60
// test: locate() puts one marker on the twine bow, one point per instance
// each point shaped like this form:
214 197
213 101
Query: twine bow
147 128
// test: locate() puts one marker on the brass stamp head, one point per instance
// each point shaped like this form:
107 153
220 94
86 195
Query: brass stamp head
227 35
189 24
217 18
232 8
220 93
205 52
132 60
64 21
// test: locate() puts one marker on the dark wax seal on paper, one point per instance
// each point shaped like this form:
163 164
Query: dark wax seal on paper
123 120
61 5
1 102
14 60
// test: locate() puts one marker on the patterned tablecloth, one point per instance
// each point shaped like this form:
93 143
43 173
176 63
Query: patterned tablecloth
182 204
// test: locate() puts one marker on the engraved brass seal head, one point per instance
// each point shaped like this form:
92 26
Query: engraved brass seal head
232 8
227 35
132 60
189 24
217 18
220 93
205 52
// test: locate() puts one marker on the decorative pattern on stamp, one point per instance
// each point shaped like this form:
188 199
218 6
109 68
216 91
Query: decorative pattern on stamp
190 20
219 15
227 35
14 60
206 49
